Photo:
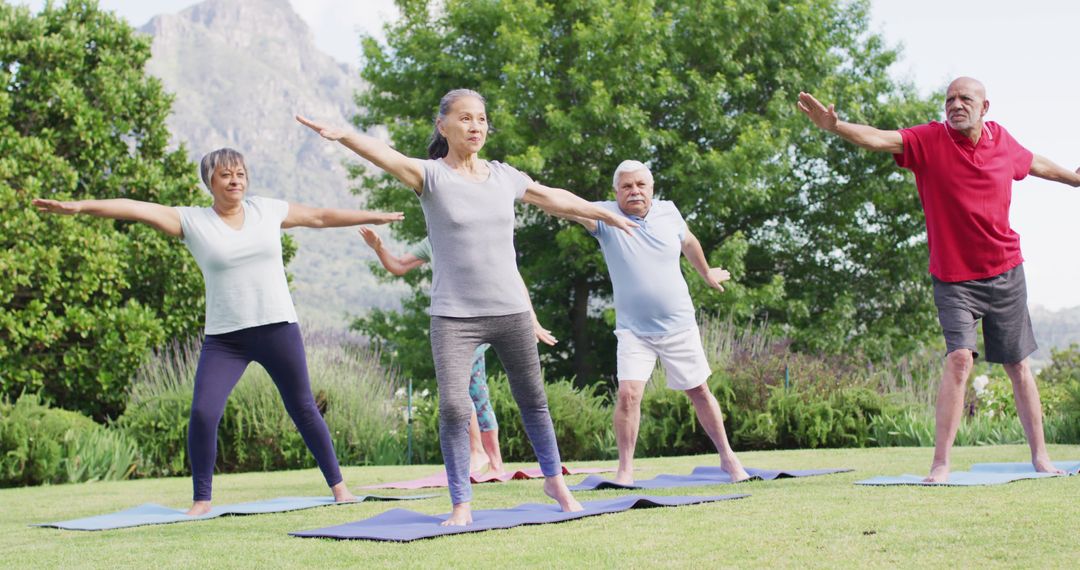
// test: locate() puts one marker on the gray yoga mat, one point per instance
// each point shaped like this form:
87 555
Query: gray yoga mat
402 525
156 514
710 475
980 474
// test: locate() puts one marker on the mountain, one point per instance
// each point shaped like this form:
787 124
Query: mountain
240 70
1054 329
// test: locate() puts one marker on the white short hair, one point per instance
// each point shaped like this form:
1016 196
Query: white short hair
629 166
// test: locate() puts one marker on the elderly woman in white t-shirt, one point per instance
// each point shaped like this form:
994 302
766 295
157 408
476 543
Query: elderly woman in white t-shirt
477 295
249 311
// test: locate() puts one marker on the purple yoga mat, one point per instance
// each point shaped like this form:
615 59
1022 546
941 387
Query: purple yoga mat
403 525
698 477
439 479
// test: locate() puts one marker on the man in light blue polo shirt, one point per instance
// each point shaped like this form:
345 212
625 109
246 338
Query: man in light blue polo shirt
654 316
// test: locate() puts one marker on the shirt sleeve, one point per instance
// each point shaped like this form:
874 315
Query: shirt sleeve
429 175
422 250
601 227
681 221
1020 156
274 208
914 153
519 181
186 212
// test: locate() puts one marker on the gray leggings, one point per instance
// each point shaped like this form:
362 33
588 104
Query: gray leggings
453 341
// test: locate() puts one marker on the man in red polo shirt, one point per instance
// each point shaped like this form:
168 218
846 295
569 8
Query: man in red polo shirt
964 170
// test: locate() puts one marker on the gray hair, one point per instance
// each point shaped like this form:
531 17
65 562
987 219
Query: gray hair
629 166
437 146
220 157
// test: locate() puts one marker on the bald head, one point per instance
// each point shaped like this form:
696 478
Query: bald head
965 105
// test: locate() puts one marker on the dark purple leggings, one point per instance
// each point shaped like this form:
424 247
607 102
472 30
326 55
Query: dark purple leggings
279 348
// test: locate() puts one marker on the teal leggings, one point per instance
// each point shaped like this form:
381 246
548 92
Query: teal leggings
478 391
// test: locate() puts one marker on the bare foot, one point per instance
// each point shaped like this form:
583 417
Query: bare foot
555 487
1043 465
624 476
736 472
495 467
478 463
342 493
198 508
939 473
460 516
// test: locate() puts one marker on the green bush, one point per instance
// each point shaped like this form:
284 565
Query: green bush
40 445
353 391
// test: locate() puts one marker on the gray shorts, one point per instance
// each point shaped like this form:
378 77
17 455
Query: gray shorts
1001 303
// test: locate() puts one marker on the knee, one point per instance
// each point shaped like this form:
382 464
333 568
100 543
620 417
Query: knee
203 418
455 411
629 398
960 362
1018 371
699 393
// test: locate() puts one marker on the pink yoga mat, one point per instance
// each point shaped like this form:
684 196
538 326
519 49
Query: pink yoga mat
439 479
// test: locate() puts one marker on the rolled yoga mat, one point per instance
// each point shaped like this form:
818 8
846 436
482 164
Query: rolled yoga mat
439 479
157 514
710 475
403 525
980 474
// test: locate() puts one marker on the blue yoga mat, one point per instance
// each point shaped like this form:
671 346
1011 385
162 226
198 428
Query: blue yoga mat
700 476
980 474
403 526
157 514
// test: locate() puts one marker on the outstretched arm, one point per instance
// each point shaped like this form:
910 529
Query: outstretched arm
395 265
559 202
408 170
164 219
862 135
1045 168
714 276
308 217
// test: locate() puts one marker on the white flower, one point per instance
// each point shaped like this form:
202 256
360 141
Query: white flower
979 383
425 393
400 393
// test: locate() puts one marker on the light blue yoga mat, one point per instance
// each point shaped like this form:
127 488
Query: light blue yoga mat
157 514
980 474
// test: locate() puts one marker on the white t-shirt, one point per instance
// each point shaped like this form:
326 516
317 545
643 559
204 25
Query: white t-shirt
243 270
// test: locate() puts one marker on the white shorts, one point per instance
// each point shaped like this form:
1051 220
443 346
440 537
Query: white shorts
680 353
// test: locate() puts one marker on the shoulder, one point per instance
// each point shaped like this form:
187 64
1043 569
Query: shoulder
278 207
933 128
504 168
666 207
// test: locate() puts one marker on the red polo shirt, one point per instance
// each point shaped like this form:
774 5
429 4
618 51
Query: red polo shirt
965 191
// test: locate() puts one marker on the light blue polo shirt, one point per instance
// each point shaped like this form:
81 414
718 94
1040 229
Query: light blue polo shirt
651 296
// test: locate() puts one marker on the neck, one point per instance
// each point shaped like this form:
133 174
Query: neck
462 160
226 210
974 133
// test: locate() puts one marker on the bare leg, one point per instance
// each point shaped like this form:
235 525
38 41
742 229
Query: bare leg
461 515
478 460
490 439
950 410
555 487
198 508
708 413
627 424
1029 410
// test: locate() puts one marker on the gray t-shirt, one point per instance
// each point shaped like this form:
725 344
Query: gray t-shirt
242 269
471 228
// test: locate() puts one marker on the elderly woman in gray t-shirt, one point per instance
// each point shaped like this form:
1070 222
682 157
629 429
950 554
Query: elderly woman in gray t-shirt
477 295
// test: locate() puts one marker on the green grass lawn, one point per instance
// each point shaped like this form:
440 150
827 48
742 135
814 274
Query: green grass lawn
818 522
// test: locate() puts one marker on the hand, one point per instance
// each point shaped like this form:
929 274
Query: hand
716 276
825 119
543 335
55 206
328 133
387 217
371 238
621 222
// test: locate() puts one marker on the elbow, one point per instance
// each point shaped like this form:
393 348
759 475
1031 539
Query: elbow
396 270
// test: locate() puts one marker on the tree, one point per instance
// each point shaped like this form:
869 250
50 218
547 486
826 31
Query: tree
83 300
825 241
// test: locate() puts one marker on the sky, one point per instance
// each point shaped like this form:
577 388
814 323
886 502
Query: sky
1022 51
